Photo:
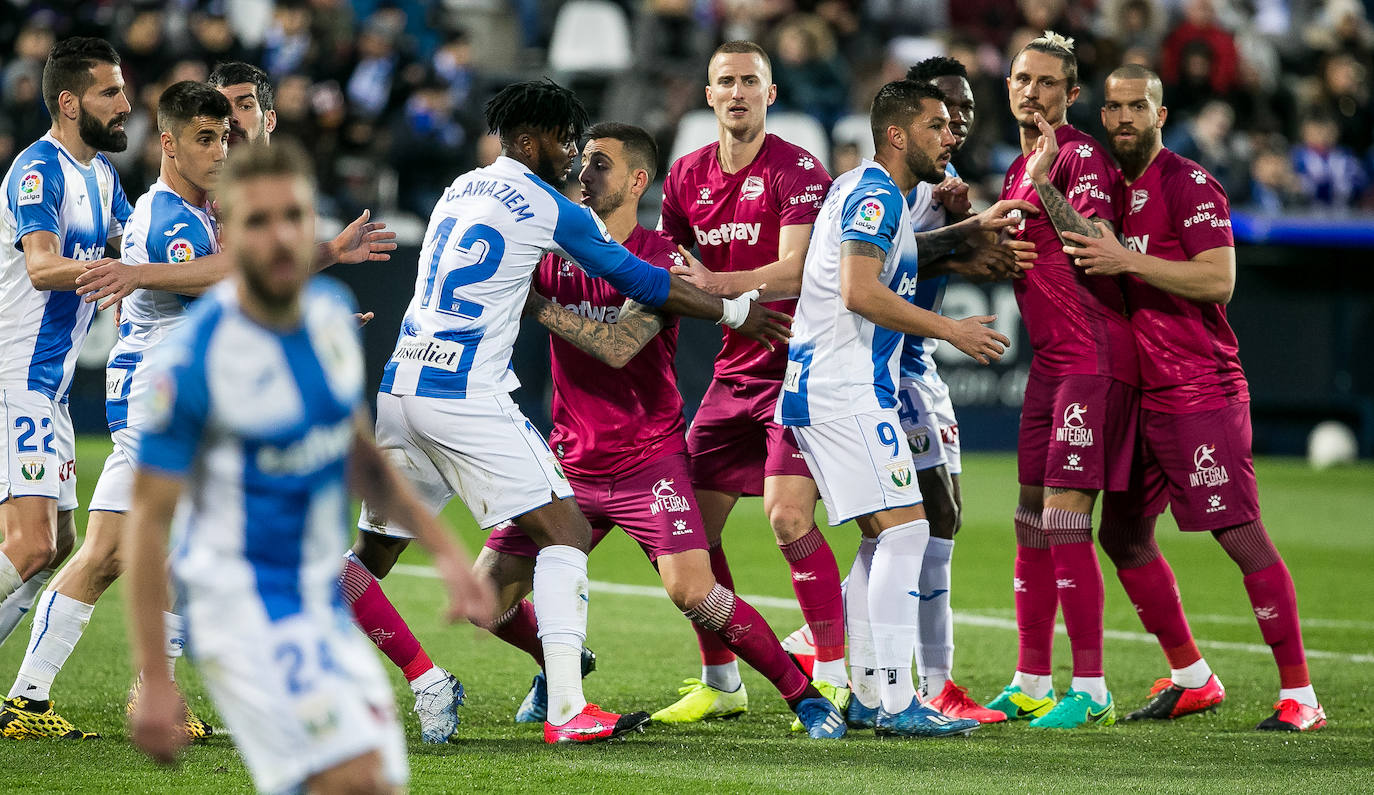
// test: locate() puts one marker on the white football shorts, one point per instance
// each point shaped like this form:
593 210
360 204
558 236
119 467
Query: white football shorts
928 420
40 448
861 464
299 695
482 450
115 488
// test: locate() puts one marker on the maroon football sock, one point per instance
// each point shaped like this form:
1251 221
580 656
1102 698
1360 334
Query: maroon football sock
747 633
373 611
1078 579
1276 608
1035 596
816 581
713 649
519 628
1154 592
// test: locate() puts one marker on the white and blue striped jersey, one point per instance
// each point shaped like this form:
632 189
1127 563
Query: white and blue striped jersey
259 422
918 353
163 228
840 364
48 190
485 239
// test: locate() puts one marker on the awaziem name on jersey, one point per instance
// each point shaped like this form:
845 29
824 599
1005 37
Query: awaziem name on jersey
505 193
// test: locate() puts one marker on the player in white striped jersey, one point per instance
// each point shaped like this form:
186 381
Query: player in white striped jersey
445 415
256 413
63 205
171 223
839 393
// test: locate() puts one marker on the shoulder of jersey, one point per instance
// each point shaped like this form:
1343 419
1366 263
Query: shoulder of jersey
659 250
789 155
40 157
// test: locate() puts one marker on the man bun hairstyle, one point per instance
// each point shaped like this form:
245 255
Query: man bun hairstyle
69 66
1061 47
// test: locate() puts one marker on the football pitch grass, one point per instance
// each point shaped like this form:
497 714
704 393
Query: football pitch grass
1321 522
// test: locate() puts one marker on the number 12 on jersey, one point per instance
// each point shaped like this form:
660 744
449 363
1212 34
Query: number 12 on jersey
479 250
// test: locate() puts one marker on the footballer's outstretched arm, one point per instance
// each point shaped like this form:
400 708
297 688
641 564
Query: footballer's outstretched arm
614 344
781 278
157 723
375 480
1210 276
860 264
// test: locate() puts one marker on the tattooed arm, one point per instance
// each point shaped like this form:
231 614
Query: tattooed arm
612 343
1062 214
961 238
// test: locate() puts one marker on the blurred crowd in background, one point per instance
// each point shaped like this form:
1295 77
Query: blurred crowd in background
1272 97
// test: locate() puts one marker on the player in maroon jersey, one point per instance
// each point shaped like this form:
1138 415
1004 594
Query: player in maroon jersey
1078 418
747 203
619 435
1179 268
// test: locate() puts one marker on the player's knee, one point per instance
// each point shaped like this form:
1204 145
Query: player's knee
687 594
789 521
943 516
378 553
351 779
34 554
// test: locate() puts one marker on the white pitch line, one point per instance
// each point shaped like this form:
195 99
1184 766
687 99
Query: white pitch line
960 617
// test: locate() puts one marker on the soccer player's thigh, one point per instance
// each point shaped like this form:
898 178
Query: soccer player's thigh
1092 441
487 453
920 425
98 562
656 506
34 456
409 454
1034 432
299 695
862 464
1206 457
727 442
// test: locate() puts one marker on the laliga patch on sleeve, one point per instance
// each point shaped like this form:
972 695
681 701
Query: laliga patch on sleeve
869 218
31 188
180 250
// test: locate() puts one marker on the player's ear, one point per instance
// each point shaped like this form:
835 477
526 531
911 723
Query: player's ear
269 120
169 145
69 104
1073 94
1163 114
772 93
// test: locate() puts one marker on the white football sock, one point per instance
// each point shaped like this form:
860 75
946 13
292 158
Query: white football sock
862 664
932 684
13 609
1033 685
9 577
935 627
424 680
174 631
1095 686
722 677
58 622
1303 695
560 607
1195 675
892 608
832 671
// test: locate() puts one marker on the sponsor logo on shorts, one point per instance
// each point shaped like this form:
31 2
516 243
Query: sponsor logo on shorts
67 471
919 439
667 499
680 528
1214 503
32 467
1073 430
900 473
1206 471
949 434
114 383
1071 462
